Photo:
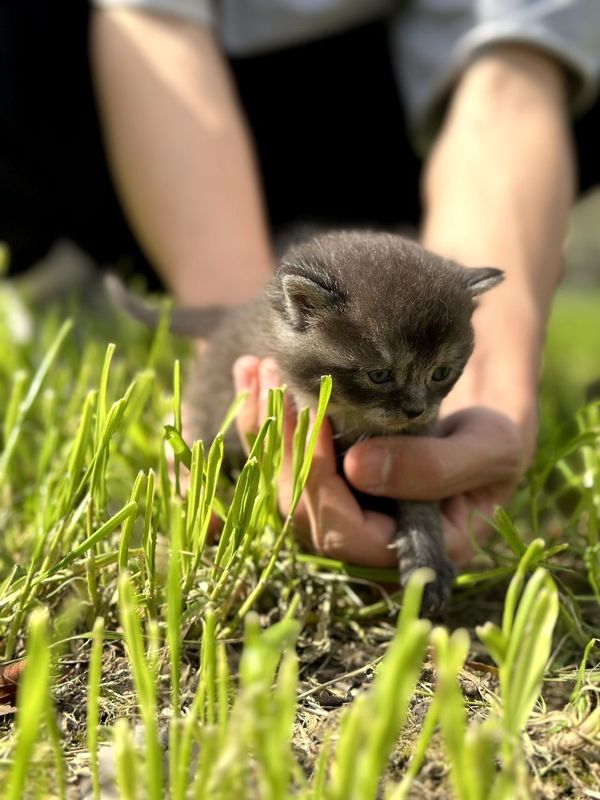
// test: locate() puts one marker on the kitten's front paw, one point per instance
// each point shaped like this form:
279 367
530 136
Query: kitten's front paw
415 551
437 593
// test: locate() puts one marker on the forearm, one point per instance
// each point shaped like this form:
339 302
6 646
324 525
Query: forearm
180 155
498 188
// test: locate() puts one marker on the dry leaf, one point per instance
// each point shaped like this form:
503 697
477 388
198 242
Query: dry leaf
9 681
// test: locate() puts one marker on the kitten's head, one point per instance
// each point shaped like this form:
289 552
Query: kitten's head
388 320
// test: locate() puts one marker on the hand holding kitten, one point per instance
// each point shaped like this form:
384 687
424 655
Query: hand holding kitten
392 324
473 466
329 519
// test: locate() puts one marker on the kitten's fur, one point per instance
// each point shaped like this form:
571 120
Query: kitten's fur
348 304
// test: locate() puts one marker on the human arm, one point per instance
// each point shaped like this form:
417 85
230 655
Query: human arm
497 188
180 154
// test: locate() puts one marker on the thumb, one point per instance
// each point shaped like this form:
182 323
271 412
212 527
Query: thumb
478 447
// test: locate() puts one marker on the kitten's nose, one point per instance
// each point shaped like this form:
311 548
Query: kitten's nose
412 412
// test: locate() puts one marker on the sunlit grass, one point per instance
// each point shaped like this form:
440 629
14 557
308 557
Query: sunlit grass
93 518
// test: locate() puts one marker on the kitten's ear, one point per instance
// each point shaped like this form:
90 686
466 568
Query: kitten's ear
304 297
482 279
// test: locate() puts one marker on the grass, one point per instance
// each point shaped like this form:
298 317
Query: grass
169 664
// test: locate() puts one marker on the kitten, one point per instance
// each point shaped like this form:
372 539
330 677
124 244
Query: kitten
388 320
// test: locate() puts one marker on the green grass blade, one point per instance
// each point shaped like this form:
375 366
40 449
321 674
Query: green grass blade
34 390
93 697
127 530
16 398
103 531
144 685
31 702
125 760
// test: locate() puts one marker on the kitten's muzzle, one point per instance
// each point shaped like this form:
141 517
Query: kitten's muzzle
412 412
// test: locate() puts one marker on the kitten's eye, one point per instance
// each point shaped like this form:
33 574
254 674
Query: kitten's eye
440 374
380 375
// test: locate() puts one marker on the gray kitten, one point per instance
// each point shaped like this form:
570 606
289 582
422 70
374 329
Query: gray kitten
389 321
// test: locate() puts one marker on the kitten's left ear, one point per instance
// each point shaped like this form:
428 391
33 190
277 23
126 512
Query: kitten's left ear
302 297
480 279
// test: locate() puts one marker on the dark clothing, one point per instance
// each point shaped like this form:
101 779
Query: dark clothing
53 177
329 131
328 125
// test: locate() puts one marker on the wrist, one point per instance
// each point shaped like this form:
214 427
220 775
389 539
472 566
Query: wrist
503 371
517 403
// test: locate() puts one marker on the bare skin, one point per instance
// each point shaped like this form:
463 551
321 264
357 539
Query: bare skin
181 155
516 170
497 187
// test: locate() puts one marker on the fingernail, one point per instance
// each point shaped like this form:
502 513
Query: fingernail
269 373
375 468
244 376
241 380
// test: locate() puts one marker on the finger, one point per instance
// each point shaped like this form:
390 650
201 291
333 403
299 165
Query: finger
340 530
286 474
245 378
475 450
269 378
463 527
368 547
323 464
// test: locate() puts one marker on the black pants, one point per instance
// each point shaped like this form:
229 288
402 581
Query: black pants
326 118
53 176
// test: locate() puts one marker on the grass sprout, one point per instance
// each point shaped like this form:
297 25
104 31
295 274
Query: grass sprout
208 657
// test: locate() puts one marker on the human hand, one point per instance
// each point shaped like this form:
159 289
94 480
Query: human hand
328 519
472 466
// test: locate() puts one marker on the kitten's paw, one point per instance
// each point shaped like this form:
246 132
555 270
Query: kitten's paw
437 593
415 551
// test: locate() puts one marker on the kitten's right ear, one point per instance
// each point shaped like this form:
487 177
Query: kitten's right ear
302 298
481 279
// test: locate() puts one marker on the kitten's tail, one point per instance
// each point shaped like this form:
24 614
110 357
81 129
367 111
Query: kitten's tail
192 322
